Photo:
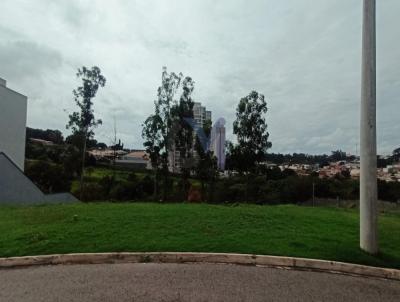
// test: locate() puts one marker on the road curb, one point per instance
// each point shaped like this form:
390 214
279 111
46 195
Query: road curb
168 257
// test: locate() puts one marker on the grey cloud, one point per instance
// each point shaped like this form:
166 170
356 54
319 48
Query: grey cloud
26 59
303 55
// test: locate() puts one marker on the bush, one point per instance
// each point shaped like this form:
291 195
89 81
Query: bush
106 183
132 177
389 191
147 186
291 189
49 177
91 192
123 191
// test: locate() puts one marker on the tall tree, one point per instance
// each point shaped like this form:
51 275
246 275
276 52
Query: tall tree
157 127
250 129
152 134
206 164
83 122
182 114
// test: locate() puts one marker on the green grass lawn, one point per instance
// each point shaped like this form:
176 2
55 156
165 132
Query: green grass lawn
289 230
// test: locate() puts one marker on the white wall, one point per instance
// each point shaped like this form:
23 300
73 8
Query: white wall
13 107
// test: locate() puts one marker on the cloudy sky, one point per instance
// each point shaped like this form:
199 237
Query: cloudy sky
303 55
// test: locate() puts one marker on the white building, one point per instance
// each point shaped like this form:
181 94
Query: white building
15 187
217 145
13 108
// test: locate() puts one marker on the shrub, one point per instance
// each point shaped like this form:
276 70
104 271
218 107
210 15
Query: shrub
147 186
91 192
49 177
106 183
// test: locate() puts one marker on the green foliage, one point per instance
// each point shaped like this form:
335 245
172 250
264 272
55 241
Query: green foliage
84 120
44 152
157 131
302 158
64 155
383 162
338 155
235 158
206 166
250 129
152 133
284 188
110 184
71 160
389 191
396 154
285 230
170 83
49 177
182 131
54 136
76 139
91 191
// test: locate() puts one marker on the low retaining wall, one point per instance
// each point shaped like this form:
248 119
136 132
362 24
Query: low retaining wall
241 259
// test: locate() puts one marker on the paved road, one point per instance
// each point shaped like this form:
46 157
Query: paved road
186 282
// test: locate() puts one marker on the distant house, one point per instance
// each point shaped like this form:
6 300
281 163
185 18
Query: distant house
138 160
107 153
41 141
355 173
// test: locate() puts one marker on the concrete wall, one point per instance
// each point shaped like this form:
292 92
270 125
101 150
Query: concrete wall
16 188
13 107
60 198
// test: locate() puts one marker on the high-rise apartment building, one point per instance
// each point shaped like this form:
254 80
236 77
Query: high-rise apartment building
200 115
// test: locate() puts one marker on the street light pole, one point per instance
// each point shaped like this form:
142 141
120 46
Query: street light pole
368 179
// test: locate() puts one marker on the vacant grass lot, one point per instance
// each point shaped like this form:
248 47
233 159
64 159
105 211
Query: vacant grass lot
326 233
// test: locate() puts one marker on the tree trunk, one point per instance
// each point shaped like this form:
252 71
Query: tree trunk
202 190
156 184
246 196
183 187
83 166
165 185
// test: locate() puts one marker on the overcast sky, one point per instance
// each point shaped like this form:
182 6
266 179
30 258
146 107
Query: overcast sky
303 55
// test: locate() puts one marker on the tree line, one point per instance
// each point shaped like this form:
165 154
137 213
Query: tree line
170 131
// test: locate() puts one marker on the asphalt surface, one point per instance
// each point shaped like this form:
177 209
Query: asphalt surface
187 282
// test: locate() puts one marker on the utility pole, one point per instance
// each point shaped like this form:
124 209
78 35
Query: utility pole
368 179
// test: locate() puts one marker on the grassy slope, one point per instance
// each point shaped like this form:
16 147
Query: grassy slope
289 230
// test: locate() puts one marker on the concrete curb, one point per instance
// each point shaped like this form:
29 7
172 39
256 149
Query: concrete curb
241 259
